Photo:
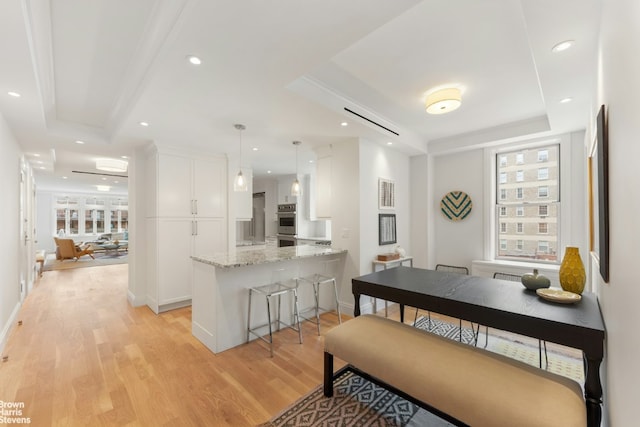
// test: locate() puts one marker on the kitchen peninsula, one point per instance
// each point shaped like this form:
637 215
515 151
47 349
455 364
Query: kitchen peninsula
221 282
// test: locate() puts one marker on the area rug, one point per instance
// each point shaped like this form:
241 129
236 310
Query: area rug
101 258
355 402
561 364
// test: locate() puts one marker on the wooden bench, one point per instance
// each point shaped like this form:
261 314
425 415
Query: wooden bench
40 257
471 385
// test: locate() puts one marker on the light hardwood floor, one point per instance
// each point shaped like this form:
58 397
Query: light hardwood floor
84 356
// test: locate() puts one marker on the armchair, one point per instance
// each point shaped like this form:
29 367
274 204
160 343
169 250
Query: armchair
67 249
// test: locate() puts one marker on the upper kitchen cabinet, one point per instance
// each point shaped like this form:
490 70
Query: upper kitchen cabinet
184 186
323 183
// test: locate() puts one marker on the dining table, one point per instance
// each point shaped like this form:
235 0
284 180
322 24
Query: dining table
499 304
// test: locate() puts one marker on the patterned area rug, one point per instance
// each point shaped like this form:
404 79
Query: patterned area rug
355 402
101 258
560 364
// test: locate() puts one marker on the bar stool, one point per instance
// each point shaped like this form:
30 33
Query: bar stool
281 285
325 278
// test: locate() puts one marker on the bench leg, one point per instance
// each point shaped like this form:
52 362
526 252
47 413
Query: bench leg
328 374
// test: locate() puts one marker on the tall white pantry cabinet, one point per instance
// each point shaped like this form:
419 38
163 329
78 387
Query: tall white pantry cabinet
186 214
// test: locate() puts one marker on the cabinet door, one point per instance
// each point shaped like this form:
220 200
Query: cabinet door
210 236
210 187
175 243
323 188
174 186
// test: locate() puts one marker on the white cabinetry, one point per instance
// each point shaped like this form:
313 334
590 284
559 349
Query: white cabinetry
186 215
323 186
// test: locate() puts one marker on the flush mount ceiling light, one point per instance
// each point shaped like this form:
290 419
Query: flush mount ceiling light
111 165
240 183
103 187
295 187
14 94
443 101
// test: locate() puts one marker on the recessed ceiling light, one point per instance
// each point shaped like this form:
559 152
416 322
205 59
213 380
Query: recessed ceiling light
124 157
116 182
145 124
255 148
79 142
42 168
40 162
566 100
389 143
268 171
310 161
194 60
64 177
36 155
564 45
344 124
103 187
14 94
104 179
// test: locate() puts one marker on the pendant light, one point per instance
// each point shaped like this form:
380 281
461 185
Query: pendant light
295 187
240 183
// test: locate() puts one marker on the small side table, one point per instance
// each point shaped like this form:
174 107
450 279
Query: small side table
386 265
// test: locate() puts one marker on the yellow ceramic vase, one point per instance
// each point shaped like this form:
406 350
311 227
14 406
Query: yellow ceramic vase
572 275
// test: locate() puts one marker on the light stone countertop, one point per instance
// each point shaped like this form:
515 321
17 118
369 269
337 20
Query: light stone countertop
262 256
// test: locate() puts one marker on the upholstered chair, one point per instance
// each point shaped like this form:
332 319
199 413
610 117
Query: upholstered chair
68 249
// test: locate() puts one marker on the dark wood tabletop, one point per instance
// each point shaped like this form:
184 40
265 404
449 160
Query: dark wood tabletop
499 304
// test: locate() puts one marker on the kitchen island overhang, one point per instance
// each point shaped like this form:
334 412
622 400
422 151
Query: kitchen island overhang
221 285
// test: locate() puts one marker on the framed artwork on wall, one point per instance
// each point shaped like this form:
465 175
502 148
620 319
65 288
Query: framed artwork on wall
386 194
386 229
602 151
598 169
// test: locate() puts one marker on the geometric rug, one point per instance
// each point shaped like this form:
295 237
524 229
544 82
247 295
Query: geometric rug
101 258
567 365
355 402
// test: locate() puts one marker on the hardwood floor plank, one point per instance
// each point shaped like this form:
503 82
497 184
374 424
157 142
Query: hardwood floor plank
84 356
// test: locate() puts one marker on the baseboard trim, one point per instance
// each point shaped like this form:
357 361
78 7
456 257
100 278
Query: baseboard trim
8 327
134 300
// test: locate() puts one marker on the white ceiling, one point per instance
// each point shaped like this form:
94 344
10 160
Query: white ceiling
92 70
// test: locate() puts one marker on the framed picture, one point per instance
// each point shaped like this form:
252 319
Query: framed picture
598 170
386 194
602 151
386 229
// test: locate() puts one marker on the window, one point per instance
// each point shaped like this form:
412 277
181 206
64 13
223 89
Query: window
543 173
503 160
543 191
90 216
543 155
527 202
543 247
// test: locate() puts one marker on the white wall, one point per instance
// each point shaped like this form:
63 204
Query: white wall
380 162
345 214
459 242
420 212
9 232
618 89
